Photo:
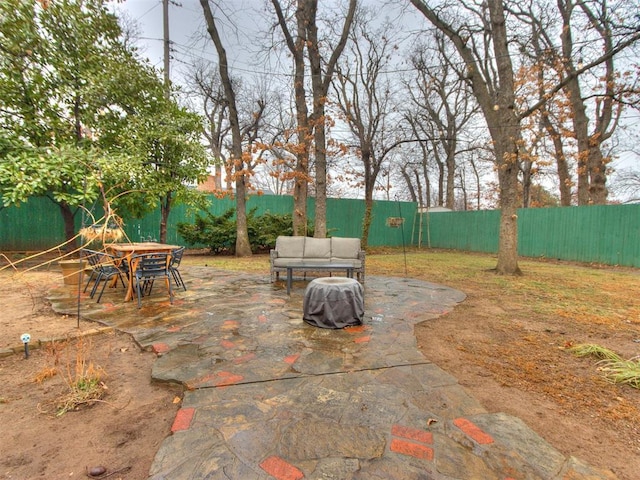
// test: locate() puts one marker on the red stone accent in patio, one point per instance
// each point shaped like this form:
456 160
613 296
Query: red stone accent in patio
183 419
473 431
280 469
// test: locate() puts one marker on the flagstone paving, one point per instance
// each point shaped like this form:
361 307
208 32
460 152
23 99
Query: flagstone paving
269 396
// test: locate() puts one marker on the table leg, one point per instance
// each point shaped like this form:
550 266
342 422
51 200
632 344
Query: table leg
131 272
289 275
129 293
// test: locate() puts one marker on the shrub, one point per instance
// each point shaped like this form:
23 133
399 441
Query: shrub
219 232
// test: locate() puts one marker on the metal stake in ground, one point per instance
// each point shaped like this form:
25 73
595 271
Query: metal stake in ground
26 338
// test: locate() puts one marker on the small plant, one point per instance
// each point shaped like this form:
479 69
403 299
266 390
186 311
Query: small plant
622 371
593 350
614 368
45 374
83 378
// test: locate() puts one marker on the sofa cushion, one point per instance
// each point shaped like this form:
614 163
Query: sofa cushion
317 248
345 248
288 247
355 263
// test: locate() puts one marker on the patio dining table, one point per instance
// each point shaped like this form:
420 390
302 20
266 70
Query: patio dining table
126 251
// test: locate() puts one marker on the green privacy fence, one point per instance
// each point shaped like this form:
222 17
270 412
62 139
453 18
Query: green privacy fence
344 218
608 234
604 234
37 224
476 231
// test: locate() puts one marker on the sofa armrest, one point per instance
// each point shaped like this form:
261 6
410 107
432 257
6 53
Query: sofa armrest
361 272
273 255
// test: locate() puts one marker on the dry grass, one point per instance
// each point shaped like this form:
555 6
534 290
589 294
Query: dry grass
82 377
622 371
593 350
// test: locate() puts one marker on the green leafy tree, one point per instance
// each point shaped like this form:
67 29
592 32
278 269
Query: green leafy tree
83 117
170 158
53 56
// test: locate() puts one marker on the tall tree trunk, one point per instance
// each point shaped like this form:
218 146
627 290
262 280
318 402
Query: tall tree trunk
427 182
507 149
451 172
420 199
317 120
527 179
296 47
68 216
562 166
441 179
243 247
368 195
320 84
494 89
476 176
592 175
581 131
165 210
366 221
320 226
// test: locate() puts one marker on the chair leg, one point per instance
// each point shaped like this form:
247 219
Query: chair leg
147 286
95 285
89 281
178 279
139 294
104 285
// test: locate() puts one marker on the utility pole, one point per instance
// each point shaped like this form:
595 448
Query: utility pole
165 24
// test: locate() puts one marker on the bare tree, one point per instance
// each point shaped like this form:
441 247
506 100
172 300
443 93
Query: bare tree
479 34
296 46
311 125
243 247
365 100
628 185
591 161
589 100
443 107
280 147
423 166
481 37
549 127
206 94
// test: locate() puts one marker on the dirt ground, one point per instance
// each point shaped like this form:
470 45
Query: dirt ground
122 432
523 368
516 366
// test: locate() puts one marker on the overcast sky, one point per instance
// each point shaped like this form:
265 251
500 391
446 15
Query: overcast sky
243 33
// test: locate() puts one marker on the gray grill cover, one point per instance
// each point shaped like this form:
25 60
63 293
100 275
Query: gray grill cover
333 302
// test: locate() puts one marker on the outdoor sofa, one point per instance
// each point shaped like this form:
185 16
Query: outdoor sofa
307 252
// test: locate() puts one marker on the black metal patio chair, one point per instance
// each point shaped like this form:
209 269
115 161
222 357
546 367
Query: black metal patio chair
147 268
176 258
104 267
